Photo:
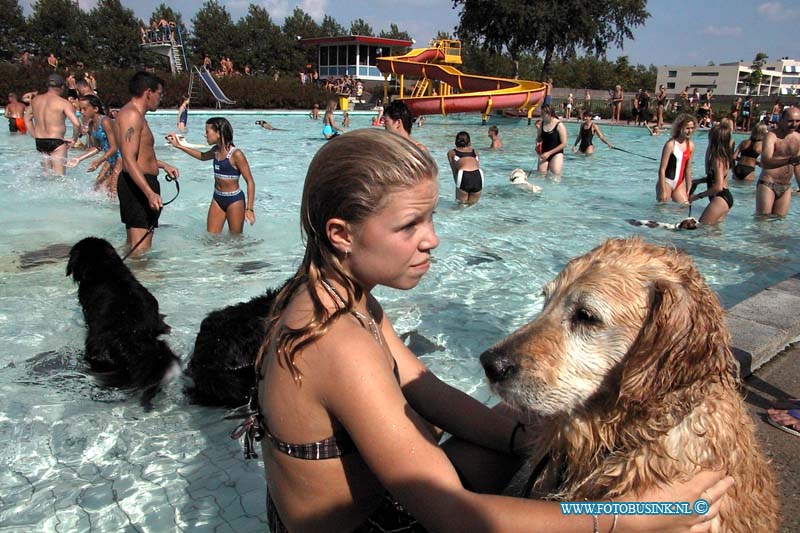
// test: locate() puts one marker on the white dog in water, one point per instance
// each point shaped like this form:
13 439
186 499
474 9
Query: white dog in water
520 179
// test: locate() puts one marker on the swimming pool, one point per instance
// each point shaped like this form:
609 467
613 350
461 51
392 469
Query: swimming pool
80 458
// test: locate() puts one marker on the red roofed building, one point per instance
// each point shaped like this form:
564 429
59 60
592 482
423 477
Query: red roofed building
352 55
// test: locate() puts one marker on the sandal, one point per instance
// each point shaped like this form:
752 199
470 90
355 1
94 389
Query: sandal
793 428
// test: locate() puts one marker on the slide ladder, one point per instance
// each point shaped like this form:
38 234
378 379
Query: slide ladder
211 83
420 87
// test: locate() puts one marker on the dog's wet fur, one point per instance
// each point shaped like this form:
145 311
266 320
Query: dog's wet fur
221 368
123 348
630 372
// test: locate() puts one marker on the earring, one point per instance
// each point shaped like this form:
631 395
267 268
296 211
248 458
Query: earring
346 253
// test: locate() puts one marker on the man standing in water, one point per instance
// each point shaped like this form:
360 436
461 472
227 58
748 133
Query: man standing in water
48 112
397 119
779 162
138 189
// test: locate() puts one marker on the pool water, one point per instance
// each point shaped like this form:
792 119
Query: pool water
79 458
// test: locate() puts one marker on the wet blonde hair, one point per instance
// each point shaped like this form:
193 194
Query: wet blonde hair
351 177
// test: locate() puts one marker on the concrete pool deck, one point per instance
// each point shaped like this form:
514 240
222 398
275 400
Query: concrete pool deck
764 324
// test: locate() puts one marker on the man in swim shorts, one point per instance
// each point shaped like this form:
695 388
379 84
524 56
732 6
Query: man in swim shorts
138 189
780 158
48 113
14 113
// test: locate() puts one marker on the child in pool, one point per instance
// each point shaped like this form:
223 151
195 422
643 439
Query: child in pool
101 132
228 203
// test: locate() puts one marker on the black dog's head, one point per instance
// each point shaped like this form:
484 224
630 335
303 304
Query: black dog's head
92 258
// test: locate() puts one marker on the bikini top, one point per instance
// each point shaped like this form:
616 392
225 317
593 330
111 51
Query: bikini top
458 154
339 443
750 151
224 170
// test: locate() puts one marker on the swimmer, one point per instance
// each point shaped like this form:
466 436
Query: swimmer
345 119
397 119
779 162
585 134
675 170
48 113
266 125
719 155
314 113
138 189
465 164
552 134
748 152
14 112
329 127
183 113
103 139
494 135
228 203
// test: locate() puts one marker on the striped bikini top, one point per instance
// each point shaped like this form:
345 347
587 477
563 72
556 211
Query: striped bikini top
339 443
224 170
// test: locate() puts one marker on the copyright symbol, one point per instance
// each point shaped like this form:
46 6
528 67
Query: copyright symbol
700 506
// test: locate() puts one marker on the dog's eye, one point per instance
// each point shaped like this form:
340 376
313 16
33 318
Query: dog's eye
584 316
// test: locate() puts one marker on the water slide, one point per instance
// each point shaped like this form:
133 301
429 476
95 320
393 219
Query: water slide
211 83
475 93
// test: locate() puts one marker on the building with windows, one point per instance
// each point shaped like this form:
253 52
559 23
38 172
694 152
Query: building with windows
780 77
353 55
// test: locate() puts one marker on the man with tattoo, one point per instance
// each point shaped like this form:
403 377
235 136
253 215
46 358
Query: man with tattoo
138 188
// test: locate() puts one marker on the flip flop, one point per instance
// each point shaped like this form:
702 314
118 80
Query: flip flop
795 413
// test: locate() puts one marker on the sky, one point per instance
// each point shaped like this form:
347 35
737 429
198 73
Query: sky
678 32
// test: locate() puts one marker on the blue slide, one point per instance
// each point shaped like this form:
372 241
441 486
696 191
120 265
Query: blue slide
211 83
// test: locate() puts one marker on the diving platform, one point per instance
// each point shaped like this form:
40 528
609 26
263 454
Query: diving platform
167 42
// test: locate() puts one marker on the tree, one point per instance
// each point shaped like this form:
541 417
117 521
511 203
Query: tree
755 77
59 27
360 27
215 33
299 25
12 29
115 35
261 38
550 27
395 33
331 28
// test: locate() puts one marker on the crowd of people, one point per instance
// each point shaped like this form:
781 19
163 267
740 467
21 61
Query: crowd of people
359 442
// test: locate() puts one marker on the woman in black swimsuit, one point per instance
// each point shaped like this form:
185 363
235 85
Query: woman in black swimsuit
748 152
349 414
552 135
587 131
467 174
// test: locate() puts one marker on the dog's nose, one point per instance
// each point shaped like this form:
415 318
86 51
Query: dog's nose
497 366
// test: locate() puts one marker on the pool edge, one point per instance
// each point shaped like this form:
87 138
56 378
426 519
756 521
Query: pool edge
763 325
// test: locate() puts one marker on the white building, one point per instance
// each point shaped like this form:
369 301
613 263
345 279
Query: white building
778 78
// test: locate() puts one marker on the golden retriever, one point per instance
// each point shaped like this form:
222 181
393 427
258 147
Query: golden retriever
629 366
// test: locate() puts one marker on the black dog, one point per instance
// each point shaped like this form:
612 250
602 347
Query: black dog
222 364
122 345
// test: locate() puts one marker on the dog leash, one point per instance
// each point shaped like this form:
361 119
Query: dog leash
634 153
152 227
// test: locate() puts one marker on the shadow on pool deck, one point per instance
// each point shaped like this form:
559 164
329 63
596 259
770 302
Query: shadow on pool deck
764 330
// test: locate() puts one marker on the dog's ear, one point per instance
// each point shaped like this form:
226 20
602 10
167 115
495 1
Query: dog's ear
683 340
73 262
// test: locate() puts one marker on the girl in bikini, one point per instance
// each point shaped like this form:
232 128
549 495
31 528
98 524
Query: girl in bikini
103 140
746 155
349 415
719 157
228 204
675 171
